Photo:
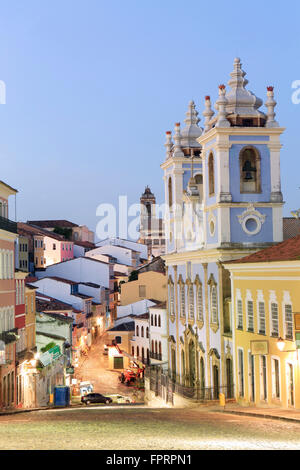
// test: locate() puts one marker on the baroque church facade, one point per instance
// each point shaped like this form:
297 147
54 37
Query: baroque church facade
223 192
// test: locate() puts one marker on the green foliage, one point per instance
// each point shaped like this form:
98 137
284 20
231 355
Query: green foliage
48 346
133 276
65 232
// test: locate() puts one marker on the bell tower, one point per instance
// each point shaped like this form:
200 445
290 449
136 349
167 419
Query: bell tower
242 198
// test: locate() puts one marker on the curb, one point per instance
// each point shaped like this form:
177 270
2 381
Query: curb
259 415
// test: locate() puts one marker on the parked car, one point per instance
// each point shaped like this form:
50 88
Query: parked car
121 399
95 398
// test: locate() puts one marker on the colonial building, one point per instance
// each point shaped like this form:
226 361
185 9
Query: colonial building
222 187
266 333
8 326
152 230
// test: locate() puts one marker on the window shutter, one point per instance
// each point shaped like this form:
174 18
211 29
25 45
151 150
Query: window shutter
262 317
239 314
288 322
250 315
274 314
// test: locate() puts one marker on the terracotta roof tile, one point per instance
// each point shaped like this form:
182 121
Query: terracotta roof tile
287 250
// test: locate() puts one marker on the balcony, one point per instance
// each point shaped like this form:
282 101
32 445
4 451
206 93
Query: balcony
156 356
10 336
8 225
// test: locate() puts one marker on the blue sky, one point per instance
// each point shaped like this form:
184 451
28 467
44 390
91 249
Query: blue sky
93 86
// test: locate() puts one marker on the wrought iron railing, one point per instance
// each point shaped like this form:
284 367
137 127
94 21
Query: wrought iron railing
197 392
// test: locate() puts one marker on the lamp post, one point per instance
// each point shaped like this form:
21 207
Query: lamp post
281 344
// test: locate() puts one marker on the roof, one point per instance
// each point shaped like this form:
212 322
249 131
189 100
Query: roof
144 316
128 326
90 284
85 244
287 250
291 227
33 230
9 187
83 296
59 279
49 298
45 304
52 223
161 305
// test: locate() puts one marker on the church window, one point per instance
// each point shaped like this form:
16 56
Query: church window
214 304
170 193
182 300
191 301
211 175
199 303
250 171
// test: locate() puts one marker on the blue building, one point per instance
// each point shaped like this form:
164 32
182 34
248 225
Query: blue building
224 200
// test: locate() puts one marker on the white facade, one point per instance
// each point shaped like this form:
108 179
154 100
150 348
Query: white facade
158 335
140 345
142 249
79 270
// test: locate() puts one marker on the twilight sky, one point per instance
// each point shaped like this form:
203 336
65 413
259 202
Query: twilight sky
91 88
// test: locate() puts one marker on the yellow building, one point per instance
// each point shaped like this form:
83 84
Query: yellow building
30 317
265 305
122 336
149 285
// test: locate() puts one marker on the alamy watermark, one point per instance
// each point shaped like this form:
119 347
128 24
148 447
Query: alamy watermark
296 93
178 222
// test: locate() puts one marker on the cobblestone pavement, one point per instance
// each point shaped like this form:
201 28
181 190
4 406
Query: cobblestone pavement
137 427
94 368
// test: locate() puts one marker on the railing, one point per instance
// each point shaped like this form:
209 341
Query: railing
8 225
156 356
159 379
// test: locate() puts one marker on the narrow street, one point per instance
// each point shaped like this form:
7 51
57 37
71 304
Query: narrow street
94 368
138 427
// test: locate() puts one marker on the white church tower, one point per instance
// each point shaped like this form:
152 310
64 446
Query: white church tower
223 191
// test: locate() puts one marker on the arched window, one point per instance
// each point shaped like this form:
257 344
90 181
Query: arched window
132 350
250 181
159 348
171 299
151 320
199 303
214 304
170 194
142 332
137 330
137 351
155 347
152 346
147 332
191 301
211 175
143 354
182 300
155 320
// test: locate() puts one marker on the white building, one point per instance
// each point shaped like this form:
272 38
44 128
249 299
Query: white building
131 245
81 269
140 345
158 334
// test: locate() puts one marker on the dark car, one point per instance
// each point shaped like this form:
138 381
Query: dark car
95 398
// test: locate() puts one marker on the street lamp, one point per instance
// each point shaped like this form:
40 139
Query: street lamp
281 344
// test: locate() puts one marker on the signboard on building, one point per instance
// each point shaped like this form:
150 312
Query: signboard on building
55 352
297 321
259 347
49 356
